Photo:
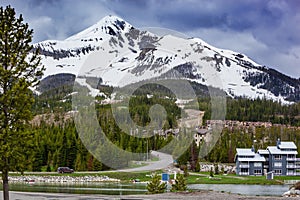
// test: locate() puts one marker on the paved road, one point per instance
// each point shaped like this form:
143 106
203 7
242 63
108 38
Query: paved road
54 196
201 195
164 161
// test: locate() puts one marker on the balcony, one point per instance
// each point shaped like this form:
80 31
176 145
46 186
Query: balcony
293 174
293 166
291 159
244 166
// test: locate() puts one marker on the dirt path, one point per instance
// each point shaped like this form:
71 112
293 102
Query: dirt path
193 119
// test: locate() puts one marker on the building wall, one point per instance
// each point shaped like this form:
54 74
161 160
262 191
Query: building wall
289 169
237 169
276 164
252 168
283 159
270 163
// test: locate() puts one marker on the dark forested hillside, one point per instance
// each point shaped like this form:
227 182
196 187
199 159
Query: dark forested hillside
243 109
244 137
58 144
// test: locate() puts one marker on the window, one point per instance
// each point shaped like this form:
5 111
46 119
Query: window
277 171
257 164
277 164
277 157
244 170
257 171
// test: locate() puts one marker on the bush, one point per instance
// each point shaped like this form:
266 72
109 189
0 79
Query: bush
180 184
155 186
222 169
197 168
217 169
48 168
211 172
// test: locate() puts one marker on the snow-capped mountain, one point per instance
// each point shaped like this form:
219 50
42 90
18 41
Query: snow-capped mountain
120 54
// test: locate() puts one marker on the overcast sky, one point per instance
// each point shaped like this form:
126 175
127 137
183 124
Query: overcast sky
266 31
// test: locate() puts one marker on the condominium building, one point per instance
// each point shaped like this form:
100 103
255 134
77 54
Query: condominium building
281 160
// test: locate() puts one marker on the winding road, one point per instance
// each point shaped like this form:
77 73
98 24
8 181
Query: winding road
164 161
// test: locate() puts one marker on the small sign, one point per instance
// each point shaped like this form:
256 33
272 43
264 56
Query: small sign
270 175
165 177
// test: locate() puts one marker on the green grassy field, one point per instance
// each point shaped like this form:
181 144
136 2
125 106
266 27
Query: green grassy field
203 178
193 178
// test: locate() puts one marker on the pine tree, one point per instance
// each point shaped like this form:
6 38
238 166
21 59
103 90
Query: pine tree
211 172
19 70
216 169
155 186
180 184
198 167
194 156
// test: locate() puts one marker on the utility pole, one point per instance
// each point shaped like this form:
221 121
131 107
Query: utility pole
147 149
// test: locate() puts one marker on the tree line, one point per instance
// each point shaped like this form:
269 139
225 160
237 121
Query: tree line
60 145
244 109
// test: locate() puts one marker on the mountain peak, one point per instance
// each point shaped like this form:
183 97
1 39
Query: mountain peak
141 55
110 24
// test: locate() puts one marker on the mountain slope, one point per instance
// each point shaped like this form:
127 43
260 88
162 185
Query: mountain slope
120 54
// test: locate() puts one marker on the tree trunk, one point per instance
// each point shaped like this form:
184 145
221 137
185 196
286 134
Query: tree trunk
5 185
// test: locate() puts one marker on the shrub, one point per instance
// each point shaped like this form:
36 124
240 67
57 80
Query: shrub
211 172
180 184
155 186
217 169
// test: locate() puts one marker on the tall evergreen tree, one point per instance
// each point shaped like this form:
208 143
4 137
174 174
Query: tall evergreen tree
19 70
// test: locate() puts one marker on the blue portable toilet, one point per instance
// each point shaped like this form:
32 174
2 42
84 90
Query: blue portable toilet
165 177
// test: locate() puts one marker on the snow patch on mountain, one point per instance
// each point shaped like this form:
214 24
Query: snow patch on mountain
121 54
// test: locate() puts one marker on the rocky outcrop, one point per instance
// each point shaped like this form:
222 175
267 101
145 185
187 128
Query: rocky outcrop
228 168
294 191
61 179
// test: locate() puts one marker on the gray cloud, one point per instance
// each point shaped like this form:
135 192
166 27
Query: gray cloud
59 19
267 31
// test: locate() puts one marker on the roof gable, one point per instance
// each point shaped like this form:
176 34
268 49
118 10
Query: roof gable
287 145
275 150
255 158
244 152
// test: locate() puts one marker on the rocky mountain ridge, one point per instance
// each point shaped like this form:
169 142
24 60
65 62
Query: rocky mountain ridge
120 54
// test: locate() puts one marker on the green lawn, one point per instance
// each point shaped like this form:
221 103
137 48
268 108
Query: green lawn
193 178
203 178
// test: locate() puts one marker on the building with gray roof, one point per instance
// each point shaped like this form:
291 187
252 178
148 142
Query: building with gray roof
280 159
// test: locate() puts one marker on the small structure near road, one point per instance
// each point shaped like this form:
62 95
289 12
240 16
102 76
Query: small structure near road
200 134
